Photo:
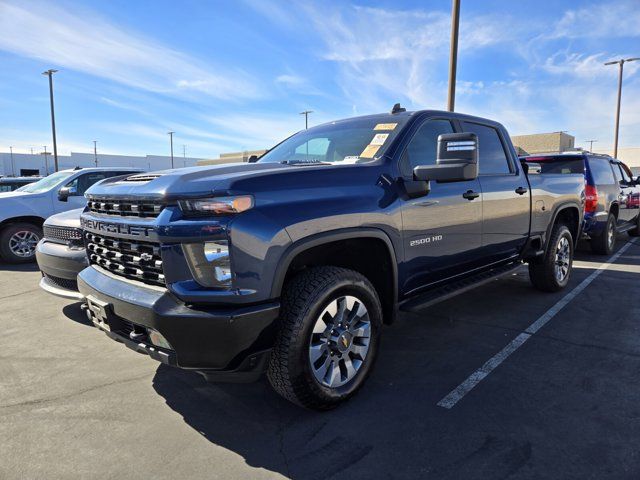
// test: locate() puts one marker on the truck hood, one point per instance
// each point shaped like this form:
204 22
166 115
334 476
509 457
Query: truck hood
190 182
70 218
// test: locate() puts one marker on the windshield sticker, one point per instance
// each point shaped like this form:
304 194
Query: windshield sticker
385 126
379 139
370 151
351 159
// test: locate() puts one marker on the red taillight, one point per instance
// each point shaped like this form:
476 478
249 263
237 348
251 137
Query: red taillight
591 199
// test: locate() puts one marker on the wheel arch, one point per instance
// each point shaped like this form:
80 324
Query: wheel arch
304 252
569 214
33 219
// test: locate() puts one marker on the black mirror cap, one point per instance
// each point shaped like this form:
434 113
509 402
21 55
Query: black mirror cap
252 159
457 148
63 194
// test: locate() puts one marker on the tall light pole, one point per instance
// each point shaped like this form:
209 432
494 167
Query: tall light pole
95 152
184 155
453 54
13 166
621 63
171 140
590 142
306 118
49 73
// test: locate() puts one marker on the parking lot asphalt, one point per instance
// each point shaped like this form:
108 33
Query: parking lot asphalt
566 404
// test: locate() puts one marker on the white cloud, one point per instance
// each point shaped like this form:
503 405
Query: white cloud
87 43
586 66
600 20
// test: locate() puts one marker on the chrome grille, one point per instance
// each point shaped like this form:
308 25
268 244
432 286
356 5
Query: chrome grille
125 208
62 234
135 260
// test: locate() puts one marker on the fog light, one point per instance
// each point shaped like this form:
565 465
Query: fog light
158 340
210 263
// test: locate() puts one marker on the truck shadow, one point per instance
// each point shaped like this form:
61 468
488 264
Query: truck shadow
393 427
73 312
18 267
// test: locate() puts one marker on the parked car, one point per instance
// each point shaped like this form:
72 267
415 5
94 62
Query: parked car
61 255
23 213
291 264
612 194
10 184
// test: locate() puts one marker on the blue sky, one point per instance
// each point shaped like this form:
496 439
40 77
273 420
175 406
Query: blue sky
233 75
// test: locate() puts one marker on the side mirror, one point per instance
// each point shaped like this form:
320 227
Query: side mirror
252 159
65 192
456 161
531 168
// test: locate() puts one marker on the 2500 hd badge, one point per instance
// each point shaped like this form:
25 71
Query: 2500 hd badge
425 240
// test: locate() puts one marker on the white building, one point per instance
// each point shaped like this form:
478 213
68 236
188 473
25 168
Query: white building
36 164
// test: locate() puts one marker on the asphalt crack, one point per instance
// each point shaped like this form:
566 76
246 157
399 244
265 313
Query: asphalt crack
39 401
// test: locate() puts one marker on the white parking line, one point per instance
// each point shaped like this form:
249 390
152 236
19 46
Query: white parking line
476 377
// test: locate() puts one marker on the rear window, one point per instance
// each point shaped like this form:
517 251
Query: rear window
601 171
561 165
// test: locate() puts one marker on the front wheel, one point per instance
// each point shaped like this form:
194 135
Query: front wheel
18 242
328 337
552 272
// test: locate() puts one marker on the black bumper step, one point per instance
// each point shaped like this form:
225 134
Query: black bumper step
450 290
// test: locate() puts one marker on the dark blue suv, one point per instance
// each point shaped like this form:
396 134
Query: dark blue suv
612 203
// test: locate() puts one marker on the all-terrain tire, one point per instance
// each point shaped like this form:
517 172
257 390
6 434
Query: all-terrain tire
603 244
304 300
543 273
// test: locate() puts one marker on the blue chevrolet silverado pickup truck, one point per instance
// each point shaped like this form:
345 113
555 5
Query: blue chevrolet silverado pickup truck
291 265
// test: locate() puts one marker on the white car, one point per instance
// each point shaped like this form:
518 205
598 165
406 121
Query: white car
23 212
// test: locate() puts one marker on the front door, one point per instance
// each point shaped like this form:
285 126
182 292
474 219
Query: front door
442 230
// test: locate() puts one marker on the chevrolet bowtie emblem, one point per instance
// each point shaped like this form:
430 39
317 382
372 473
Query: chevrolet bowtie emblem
146 257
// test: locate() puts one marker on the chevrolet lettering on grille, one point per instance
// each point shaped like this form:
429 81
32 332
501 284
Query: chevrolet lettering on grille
132 230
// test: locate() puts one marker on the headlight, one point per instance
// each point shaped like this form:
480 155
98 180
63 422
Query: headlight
209 263
217 205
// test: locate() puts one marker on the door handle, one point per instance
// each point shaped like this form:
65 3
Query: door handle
470 194
521 190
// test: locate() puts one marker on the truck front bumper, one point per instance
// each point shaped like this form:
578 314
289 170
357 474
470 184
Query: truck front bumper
60 266
224 344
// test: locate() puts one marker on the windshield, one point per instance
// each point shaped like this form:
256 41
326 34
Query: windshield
356 140
47 182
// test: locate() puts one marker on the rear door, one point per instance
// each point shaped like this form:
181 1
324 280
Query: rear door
442 230
505 195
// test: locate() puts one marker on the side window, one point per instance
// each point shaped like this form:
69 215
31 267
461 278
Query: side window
422 149
601 171
73 186
616 173
88 179
626 176
492 156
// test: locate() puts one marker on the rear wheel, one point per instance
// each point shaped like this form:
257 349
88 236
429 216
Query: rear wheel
18 242
603 244
552 272
328 338
636 231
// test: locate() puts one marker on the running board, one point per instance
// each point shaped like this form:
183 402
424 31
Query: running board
440 294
